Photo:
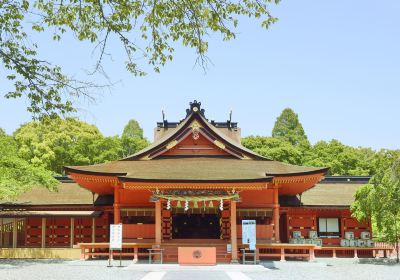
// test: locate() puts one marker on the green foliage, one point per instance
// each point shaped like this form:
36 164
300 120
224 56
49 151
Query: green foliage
44 85
289 128
55 143
380 200
16 174
132 138
132 129
273 148
132 145
341 159
146 29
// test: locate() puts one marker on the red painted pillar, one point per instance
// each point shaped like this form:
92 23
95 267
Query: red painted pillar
276 214
234 232
117 212
158 222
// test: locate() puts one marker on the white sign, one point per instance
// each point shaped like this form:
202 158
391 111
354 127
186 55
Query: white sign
249 233
116 236
229 248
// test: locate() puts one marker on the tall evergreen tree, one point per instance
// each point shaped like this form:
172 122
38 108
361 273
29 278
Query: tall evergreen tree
132 138
132 129
288 127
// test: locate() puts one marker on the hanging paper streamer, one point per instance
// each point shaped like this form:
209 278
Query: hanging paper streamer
221 205
168 204
186 205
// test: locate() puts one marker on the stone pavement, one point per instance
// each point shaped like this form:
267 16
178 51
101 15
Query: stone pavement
326 269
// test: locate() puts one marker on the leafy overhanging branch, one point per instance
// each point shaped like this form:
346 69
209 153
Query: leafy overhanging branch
146 29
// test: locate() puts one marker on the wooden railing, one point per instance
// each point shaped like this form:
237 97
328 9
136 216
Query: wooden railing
283 250
135 250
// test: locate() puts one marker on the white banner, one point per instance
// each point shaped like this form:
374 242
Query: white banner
116 236
249 233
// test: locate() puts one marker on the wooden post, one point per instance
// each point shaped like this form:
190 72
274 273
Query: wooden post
283 254
93 230
1 232
312 254
276 214
342 230
135 254
117 212
15 233
43 232
158 222
72 232
233 232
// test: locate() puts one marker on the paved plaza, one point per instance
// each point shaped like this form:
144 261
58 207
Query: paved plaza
325 269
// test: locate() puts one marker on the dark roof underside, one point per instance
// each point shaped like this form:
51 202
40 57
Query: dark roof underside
322 195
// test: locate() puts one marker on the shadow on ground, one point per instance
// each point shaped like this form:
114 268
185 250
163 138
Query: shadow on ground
21 263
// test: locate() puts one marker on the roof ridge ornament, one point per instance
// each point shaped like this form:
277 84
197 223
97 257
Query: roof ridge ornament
195 107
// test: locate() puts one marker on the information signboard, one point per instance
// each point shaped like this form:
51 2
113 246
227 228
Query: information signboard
116 236
249 233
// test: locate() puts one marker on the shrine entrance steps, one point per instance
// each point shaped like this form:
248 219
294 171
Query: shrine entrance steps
170 247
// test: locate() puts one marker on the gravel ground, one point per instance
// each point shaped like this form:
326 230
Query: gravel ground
325 269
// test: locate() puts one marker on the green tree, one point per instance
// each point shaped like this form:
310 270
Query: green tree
148 29
341 159
132 138
54 143
132 145
274 148
288 127
16 174
132 129
379 200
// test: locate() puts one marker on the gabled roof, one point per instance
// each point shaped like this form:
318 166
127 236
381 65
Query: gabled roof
230 161
195 120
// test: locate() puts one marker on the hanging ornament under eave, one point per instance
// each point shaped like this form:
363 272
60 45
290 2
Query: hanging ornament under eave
211 205
168 204
186 205
195 205
221 205
178 204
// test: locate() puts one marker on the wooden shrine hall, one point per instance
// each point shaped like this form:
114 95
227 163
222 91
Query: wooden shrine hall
192 187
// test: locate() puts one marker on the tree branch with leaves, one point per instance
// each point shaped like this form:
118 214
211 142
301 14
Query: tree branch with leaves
147 31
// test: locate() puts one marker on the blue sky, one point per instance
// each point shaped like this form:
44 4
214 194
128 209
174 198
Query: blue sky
335 63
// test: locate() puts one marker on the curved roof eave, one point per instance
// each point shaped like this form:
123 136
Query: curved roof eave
73 169
252 180
322 170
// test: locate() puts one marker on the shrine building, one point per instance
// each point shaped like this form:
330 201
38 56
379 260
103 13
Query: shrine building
193 186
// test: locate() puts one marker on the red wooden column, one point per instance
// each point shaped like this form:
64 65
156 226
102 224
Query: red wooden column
117 212
276 214
234 232
158 222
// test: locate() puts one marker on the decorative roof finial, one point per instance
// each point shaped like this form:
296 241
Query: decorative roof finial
195 107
